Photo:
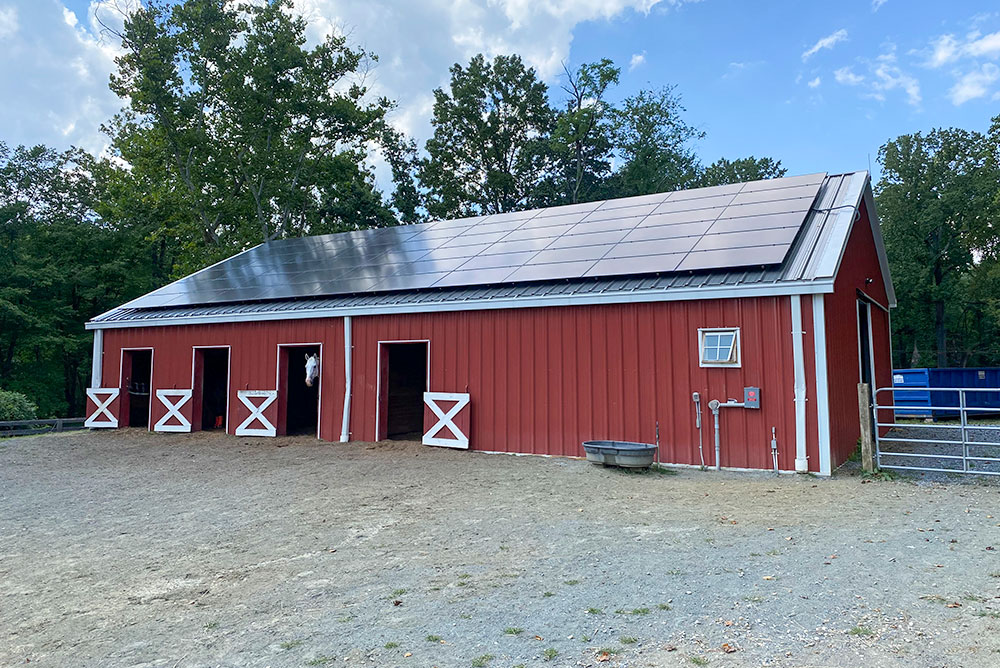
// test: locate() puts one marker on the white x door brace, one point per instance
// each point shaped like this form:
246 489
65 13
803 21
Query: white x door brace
180 397
446 420
256 412
95 420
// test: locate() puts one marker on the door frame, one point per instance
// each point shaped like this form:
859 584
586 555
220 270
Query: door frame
229 377
277 386
378 382
121 370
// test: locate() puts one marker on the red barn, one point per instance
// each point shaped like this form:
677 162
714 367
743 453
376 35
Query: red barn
534 331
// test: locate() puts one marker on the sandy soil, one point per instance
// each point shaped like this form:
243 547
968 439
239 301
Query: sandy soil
136 549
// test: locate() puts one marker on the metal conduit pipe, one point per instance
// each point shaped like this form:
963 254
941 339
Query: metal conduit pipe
697 423
345 429
715 405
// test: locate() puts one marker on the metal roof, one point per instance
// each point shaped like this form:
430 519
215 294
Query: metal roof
809 264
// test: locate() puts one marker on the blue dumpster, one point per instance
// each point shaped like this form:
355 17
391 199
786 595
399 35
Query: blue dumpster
930 402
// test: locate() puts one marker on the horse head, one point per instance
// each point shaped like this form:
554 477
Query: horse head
312 369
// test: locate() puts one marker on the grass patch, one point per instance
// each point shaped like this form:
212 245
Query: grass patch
639 611
547 594
756 598
992 614
675 571
860 631
513 631
464 576
973 597
211 625
879 475
595 611
396 593
433 638
571 582
628 640
320 660
550 653
608 650
291 644
663 606
391 645
698 660
345 619
481 661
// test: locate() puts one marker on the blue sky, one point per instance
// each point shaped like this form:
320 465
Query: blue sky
819 86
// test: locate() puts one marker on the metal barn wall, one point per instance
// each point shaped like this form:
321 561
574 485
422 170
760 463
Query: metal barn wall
543 380
860 262
253 361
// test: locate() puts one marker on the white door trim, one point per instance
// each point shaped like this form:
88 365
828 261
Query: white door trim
378 375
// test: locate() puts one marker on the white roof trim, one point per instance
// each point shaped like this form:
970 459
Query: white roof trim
632 296
883 258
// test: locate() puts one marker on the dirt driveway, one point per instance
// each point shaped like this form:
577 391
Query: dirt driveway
136 549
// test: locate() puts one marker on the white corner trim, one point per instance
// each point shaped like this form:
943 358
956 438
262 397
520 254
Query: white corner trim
345 428
798 358
97 359
822 389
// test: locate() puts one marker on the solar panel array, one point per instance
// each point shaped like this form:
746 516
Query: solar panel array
722 227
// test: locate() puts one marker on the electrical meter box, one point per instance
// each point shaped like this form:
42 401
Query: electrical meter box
751 397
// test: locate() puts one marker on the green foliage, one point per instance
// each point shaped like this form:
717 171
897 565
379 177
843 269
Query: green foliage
60 265
487 154
247 134
724 171
654 143
16 406
937 201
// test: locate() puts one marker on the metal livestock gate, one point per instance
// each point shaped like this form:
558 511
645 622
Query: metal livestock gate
939 444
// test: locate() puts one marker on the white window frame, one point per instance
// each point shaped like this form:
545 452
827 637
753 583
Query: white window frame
702 362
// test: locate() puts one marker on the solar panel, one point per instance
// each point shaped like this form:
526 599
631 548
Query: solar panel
704 229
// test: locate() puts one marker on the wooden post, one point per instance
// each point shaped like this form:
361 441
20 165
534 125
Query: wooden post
867 440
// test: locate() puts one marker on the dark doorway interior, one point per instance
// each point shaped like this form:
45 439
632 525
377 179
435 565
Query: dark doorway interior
137 378
298 409
407 381
212 383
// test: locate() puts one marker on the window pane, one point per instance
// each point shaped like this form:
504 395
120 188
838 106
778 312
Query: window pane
712 340
711 354
726 340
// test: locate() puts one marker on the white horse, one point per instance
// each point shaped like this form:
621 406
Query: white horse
312 369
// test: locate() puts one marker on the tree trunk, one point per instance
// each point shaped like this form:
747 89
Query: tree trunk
939 333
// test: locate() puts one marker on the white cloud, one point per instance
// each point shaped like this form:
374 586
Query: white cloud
945 50
814 83
637 60
974 84
845 76
827 42
8 21
888 77
54 79
877 4
987 45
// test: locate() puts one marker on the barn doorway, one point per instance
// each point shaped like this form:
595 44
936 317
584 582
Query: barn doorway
137 378
211 389
405 381
298 403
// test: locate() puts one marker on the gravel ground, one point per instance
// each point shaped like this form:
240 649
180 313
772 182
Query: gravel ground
982 443
136 549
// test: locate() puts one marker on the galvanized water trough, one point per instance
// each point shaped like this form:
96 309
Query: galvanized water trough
620 453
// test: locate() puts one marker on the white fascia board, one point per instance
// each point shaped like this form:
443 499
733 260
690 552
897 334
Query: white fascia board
883 258
726 292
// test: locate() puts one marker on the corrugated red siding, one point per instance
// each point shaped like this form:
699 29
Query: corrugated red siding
859 263
543 380
253 361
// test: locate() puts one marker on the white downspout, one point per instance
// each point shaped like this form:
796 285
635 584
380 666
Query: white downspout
345 430
798 358
98 358
822 391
